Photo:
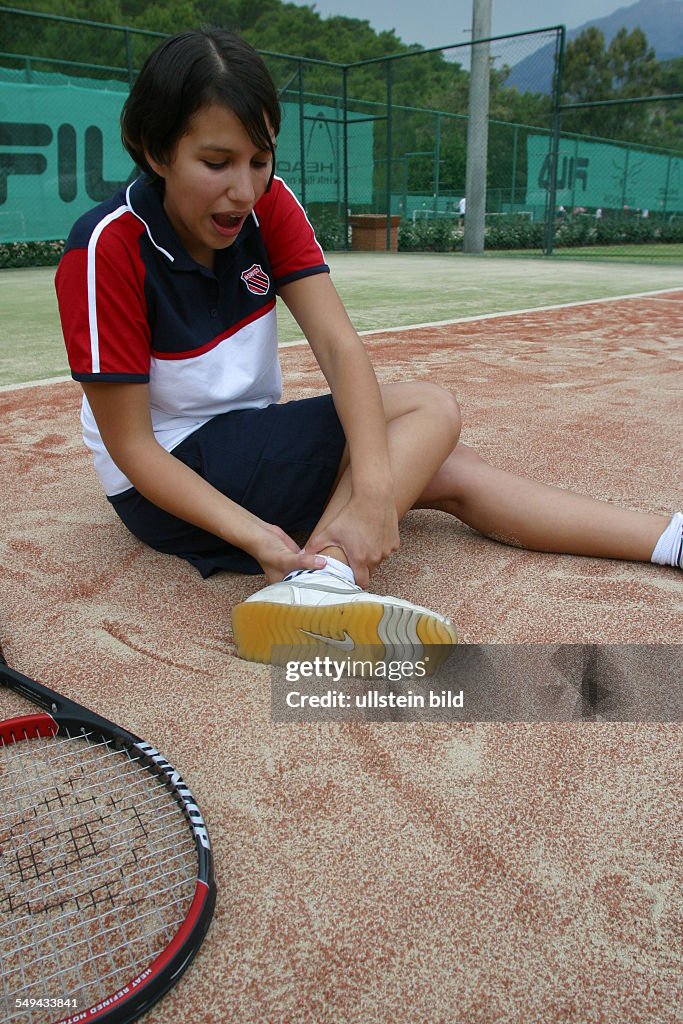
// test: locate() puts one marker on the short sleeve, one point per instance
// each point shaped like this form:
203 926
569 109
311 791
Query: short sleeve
102 305
293 250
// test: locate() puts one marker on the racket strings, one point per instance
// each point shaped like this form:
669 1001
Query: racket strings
91 835
107 933
95 874
98 843
103 896
65 758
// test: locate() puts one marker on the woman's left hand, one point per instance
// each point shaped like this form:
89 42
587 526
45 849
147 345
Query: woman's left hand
366 530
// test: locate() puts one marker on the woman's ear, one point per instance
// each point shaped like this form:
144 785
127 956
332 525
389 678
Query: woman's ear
158 167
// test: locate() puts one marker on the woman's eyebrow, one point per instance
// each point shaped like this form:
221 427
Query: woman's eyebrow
214 147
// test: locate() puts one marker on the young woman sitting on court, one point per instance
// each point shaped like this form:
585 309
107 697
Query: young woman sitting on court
167 299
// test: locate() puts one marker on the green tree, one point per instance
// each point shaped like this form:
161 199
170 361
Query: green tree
626 69
77 44
667 117
167 16
671 76
633 64
586 74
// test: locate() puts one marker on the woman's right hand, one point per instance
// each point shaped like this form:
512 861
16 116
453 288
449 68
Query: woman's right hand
278 554
122 412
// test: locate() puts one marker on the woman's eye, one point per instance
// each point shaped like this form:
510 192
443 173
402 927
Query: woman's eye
215 167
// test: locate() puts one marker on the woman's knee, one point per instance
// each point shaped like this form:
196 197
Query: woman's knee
444 406
431 399
450 407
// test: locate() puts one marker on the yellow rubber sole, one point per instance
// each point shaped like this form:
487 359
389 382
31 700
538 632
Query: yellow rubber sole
276 634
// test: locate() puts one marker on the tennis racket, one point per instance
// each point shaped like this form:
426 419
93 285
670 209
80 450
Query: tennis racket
106 874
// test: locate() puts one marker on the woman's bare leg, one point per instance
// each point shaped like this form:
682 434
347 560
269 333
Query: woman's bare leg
509 508
537 516
423 425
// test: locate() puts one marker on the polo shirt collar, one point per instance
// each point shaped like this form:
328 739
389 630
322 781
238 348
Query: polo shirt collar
146 202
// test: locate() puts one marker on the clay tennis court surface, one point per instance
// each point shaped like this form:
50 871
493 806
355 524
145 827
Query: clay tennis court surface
403 872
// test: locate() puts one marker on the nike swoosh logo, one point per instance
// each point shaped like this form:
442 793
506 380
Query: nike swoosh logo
346 644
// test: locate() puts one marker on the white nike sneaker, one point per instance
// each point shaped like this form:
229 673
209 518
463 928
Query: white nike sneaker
317 614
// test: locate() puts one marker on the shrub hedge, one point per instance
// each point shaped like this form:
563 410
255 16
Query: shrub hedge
30 254
516 232
442 235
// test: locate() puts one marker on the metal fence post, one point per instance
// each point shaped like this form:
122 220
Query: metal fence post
390 145
477 129
345 101
666 186
624 186
551 194
513 183
302 135
129 57
437 163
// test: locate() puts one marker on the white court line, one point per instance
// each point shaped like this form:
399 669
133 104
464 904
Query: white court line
43 382
494 316
416 327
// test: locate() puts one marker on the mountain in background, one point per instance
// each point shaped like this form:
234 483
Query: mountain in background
660 20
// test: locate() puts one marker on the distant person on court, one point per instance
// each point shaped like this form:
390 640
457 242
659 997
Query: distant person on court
167 299
462 210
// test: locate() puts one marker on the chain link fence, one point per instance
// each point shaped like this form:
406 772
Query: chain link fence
375 150
612 195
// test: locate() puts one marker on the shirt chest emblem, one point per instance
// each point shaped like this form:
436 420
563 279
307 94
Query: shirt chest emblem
256 279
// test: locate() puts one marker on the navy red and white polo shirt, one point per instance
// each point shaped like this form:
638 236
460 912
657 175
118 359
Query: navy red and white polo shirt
135 307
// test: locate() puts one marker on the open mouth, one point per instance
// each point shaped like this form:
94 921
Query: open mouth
227 223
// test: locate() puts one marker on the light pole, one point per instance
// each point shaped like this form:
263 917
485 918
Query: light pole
477 129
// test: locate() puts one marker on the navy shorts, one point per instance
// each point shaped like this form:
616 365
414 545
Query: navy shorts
279 462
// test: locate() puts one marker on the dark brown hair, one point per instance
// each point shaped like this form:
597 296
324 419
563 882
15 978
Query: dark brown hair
191 71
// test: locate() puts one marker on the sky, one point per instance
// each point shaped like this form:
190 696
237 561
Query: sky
444 22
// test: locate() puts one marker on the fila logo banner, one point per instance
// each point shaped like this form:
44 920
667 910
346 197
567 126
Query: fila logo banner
256 279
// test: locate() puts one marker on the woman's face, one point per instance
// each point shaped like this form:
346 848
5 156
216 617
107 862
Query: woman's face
212 182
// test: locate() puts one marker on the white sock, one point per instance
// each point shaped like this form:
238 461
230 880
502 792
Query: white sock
669 548
339 568
332 567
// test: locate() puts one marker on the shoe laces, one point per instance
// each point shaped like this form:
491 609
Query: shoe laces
316 573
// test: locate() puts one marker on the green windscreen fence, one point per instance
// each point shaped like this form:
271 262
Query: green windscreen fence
604 175
387 134
311 156
61 152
